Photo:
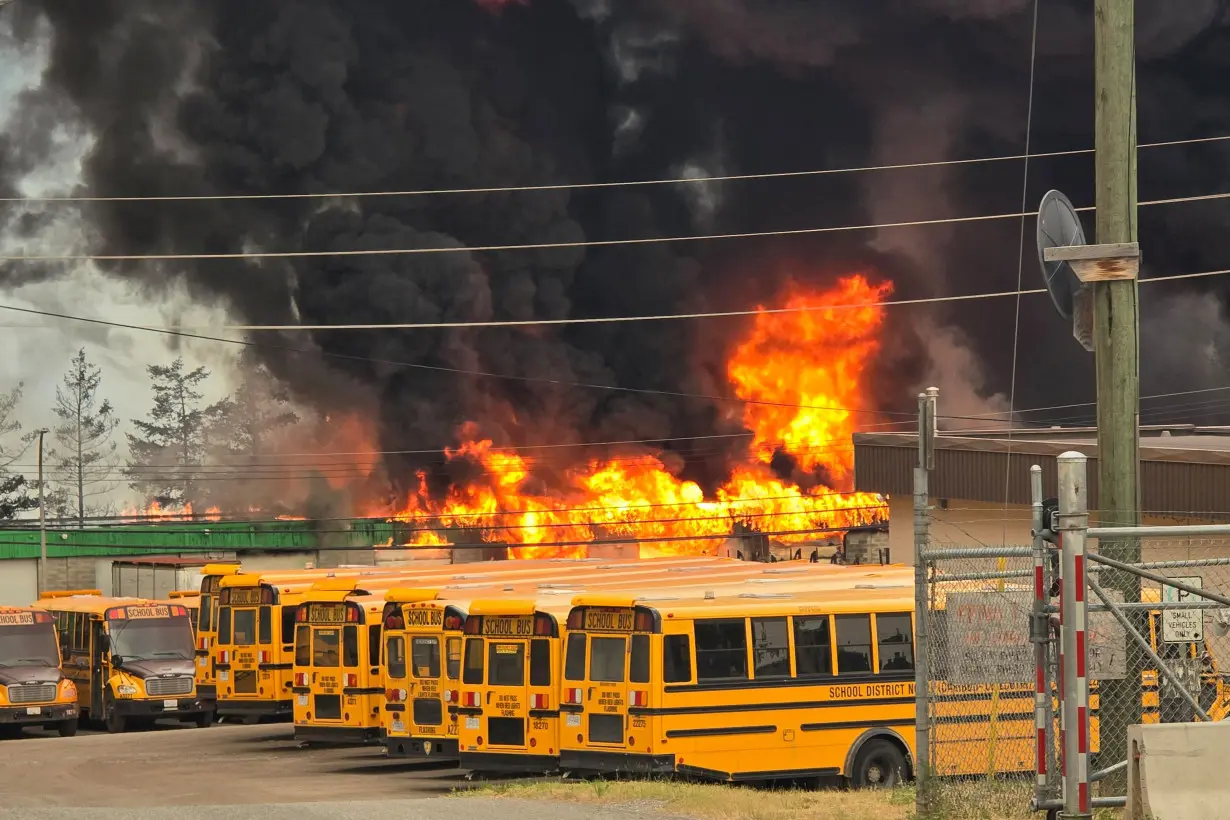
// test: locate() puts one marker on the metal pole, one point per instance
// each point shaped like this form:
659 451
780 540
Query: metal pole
1073 521
1040 635
922 643
42 519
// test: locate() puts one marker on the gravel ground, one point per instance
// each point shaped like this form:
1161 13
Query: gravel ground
240 772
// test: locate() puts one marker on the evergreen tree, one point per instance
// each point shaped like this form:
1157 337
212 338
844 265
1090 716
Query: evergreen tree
85 455
167 454
15 495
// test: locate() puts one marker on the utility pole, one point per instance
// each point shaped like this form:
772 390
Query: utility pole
42 517
1116 341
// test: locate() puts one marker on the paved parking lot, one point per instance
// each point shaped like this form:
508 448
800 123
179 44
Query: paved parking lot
237 772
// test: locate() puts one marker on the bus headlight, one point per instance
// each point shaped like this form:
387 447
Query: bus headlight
126 689
68 689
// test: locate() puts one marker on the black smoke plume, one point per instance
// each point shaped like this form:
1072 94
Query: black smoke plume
318 96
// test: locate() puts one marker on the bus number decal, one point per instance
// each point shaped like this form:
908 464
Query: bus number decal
609 620
512 627
16 618
856 691
540 725
148 612
423 617
638 723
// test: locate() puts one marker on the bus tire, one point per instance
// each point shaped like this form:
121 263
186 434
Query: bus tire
67 728
203 719
879 765
116 724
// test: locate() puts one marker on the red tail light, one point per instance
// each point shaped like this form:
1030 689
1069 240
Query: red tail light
639 699
202 643
396 695
539 702
224 656
470 699
352 680
572 696
450 696
264 656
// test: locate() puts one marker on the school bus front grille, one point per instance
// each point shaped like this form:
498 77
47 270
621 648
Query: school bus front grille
428 711
506 731
245 682
178 685
32 693
606 729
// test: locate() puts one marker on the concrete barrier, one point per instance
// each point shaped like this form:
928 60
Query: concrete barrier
1176 771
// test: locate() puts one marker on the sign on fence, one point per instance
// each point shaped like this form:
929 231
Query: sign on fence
1182 625
988 639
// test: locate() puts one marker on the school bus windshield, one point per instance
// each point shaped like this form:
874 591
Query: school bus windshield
146 639
28 645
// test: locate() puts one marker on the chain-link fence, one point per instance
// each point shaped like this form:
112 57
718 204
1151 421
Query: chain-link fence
981 738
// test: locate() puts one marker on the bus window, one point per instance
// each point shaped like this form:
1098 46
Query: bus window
325 648
395 650
224 625
288 627
507 664
574 657
265 621
721 649
772 647
606 659
638 664
812 647
350 646
425 657
244 626
676 659
373 645
303 649
205 621
474 661
896 648
540 663
453 658
853 644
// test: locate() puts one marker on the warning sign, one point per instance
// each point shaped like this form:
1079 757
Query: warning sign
1182 625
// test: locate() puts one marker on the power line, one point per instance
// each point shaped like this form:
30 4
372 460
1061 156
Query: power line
577 186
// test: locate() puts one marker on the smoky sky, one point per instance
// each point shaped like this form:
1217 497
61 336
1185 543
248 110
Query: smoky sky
317 96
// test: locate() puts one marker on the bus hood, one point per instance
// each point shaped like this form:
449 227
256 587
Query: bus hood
10 675
159 668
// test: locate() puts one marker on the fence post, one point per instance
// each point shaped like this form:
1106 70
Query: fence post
922 611
1073 522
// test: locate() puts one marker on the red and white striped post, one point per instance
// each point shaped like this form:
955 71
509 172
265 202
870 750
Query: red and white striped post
1073 522
1042 687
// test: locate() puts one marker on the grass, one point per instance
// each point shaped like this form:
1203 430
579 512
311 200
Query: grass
970 801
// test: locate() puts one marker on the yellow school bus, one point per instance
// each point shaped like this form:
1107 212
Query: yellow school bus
421 700
338 683
33 688
130 659
190 599
790 686
207 630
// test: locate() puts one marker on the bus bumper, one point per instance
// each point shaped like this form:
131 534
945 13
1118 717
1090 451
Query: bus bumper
340 735
506 762
174 708
577 760
255 708
422 748
49 713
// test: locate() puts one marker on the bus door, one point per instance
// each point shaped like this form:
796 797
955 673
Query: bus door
96 685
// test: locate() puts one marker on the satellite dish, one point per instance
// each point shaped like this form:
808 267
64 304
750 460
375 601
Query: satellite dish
1059 226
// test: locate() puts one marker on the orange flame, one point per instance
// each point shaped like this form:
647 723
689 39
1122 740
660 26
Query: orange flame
184 513
804 368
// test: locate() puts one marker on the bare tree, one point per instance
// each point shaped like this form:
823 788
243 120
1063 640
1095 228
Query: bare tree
15 494
85 458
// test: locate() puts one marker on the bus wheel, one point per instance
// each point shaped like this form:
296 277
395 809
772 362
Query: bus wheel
115 723
203 719
67 728
880 765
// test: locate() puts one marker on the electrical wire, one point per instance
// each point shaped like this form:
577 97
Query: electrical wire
577 186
